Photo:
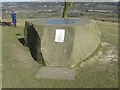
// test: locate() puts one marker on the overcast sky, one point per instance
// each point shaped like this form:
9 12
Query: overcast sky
58 0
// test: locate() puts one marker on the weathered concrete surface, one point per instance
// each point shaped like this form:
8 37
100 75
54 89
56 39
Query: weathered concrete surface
56 73
81 40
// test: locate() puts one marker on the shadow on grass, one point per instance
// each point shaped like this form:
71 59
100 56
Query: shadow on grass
33 51
18 34
33 42
22 41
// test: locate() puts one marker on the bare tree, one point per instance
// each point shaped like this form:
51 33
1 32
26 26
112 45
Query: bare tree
68 4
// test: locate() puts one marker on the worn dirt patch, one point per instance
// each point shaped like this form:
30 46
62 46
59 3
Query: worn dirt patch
110 55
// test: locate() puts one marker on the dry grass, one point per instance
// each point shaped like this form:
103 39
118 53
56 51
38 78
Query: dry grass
19 68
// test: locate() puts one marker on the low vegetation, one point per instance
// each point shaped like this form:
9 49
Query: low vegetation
19 68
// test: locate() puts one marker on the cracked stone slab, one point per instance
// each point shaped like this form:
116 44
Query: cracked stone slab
56 73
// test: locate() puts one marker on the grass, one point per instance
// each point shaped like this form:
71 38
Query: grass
19 68
110 17
0 57
109 32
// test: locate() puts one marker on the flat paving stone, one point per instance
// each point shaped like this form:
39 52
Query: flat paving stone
56 73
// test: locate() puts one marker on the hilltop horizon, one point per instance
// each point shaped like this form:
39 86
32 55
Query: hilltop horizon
59 0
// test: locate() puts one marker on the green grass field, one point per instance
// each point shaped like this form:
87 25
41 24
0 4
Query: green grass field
19 69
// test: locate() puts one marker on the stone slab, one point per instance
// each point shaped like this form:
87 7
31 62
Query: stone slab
56 73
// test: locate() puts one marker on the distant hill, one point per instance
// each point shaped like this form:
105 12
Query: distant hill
54 9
